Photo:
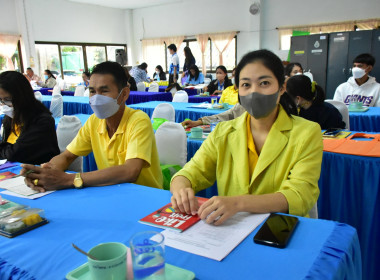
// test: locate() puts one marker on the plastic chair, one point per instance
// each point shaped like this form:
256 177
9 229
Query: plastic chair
79 91
342 109
56 90
181 96
86 93
164 111
62 84
140 86
207 81
67 129
171 144
56 106
153 87
38 96
313 213
173 91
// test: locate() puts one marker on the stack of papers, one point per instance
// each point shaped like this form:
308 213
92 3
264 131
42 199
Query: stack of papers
17 187
214 242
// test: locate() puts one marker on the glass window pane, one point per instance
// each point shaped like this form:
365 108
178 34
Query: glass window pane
95 55
72 63
48 58
15 59
229 60
196 50
111 52
156 56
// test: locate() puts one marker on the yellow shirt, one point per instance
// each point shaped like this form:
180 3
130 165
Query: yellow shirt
230 96
289 162
134 138
252 153
12 138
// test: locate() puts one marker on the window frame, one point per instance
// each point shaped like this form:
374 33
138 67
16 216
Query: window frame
83 45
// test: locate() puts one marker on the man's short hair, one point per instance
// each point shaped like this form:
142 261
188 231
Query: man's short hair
365 58
143 66
172 47
29 69
114 69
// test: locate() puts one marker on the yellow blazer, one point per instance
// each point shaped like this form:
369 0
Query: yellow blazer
289 162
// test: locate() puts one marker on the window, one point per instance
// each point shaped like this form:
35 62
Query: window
16 60
229 56
95 55
69 60
48 58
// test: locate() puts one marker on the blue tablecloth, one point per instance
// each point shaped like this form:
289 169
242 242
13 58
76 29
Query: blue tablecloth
200 99
45 91
80 104
141 96
71 104
366 121
350 193
160 88
319 249
182 110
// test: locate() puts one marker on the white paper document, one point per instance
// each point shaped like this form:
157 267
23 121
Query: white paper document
201 106
214 242
17 187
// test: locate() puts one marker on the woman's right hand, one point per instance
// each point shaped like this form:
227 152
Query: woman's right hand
183 197
190 124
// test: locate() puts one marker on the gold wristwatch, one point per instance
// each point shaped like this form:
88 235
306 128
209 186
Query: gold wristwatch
78 182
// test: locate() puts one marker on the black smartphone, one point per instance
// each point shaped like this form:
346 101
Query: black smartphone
332 132
276 231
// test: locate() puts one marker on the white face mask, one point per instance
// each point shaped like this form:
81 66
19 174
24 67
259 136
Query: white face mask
298 73
157 72
7 111
104 106
358 73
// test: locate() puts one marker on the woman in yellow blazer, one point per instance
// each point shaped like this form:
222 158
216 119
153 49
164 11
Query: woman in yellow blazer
266 160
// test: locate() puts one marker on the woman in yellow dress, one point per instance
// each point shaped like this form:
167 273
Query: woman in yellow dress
266 160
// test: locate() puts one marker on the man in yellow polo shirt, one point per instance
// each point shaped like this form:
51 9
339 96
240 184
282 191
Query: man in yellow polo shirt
121 139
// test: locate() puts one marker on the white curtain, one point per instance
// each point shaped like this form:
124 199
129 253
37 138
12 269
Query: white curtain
202 40
153 54
177 40
8 45
222 41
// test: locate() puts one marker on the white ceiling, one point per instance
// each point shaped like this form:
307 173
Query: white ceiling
127 4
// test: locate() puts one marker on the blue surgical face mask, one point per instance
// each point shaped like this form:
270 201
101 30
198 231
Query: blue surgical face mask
104 106
46 77
259 105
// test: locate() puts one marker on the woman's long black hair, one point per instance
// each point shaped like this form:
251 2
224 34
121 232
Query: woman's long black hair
25 106
274 64
196 69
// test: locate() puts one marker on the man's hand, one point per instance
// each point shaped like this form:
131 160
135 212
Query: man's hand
46 178
218 209
190 123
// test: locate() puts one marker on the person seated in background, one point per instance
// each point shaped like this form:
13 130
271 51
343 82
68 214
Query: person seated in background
309 98
131 81
28 134
86 79
121 139
139 73
264 161
216 87
50 80
230 95
159 74
360 87
32 78
195 77
292 69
